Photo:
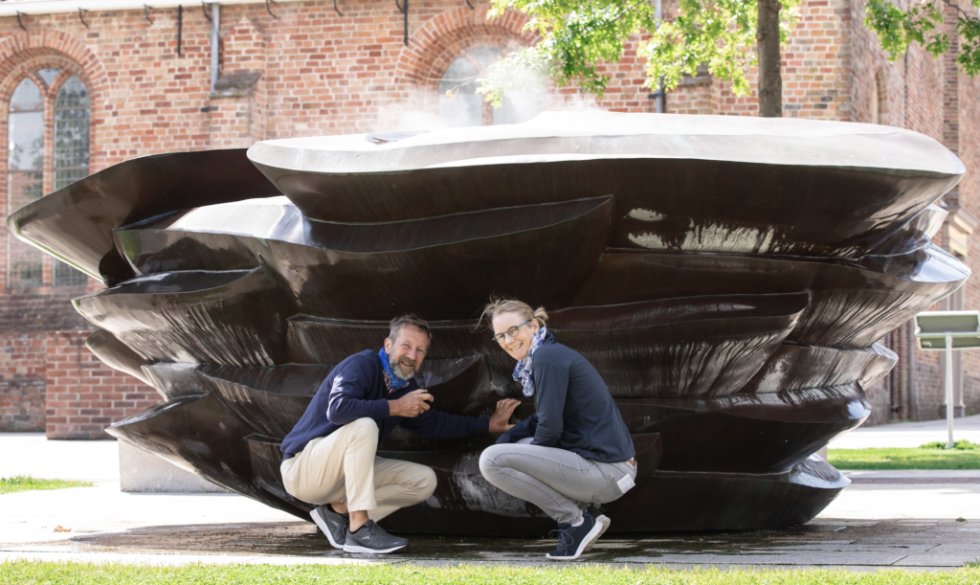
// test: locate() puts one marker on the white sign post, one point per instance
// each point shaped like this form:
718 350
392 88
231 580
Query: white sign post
948 331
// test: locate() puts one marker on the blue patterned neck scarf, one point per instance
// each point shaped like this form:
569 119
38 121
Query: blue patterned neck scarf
391 381
522 373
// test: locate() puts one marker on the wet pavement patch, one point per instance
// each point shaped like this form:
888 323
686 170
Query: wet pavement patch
865 544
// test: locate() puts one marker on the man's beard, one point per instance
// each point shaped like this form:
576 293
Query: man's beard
400 371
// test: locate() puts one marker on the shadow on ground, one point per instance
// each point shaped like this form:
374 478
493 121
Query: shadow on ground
927 544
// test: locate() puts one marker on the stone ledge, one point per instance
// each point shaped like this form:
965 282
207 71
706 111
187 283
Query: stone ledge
235 85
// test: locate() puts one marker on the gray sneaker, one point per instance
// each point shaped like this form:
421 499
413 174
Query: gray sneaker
332 524
372 539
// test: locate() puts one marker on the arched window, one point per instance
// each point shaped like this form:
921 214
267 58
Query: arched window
25 175
460 105
70 133
70 157
30 173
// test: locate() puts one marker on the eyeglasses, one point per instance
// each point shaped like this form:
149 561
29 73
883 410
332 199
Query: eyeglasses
499 338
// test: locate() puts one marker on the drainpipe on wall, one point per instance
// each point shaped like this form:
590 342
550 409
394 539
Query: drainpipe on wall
658 15
215 13
910 326
894 390
910 368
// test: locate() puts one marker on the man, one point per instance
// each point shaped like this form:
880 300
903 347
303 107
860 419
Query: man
330 457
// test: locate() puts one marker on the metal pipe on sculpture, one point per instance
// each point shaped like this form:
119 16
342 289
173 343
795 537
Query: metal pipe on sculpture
735 338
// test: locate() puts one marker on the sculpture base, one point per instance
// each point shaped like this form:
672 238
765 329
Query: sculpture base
143 472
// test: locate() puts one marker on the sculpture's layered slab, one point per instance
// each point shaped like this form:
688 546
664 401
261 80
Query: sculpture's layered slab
728 277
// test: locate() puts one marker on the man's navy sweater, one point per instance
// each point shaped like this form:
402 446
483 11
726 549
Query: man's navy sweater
356 389
573 409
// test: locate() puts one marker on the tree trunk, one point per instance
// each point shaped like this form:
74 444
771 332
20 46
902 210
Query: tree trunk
770 72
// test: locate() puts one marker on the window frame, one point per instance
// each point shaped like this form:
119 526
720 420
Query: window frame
49 95
470 56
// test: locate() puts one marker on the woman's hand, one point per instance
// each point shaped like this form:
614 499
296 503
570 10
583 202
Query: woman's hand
499 421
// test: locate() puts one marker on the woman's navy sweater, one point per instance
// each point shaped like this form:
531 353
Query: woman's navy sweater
573 408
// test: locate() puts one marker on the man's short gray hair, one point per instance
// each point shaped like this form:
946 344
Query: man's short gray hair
412 320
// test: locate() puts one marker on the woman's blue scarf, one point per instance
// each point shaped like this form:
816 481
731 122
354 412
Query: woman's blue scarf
522 373
391 380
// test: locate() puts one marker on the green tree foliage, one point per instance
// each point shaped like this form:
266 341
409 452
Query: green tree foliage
922 23
577 36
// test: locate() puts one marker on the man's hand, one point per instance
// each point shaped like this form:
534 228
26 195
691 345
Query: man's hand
505 409
410 405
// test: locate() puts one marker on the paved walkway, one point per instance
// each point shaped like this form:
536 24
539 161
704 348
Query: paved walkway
867 527
34 455
928 520
909 434
856 545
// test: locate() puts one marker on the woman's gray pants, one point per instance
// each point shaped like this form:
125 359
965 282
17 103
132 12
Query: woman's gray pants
559 482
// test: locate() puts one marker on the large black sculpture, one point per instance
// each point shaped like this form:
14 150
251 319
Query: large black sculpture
728 277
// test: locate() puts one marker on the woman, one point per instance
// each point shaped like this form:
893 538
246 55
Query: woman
575 452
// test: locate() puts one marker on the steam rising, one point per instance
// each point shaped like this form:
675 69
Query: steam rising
458 103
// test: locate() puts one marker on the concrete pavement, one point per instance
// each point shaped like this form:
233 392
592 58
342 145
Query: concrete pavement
928 520
34 455
857 545
867 527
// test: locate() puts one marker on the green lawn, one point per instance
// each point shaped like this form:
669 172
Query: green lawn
36 573
966 455
22 483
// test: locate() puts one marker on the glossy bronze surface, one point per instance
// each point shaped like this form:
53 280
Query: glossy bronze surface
728 277
693 183
129 192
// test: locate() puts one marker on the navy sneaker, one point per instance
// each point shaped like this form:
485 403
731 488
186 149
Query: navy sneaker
602 519
573 540
332 524
372 539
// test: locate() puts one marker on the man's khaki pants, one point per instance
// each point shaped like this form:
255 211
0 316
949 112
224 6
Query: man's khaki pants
343 468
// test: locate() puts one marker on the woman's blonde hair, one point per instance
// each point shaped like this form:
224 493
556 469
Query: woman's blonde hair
498 306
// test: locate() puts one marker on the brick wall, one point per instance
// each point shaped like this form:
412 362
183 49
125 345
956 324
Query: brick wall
929 387
969 198
48 380
24 316
880 399
22 382
83 395
322 73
